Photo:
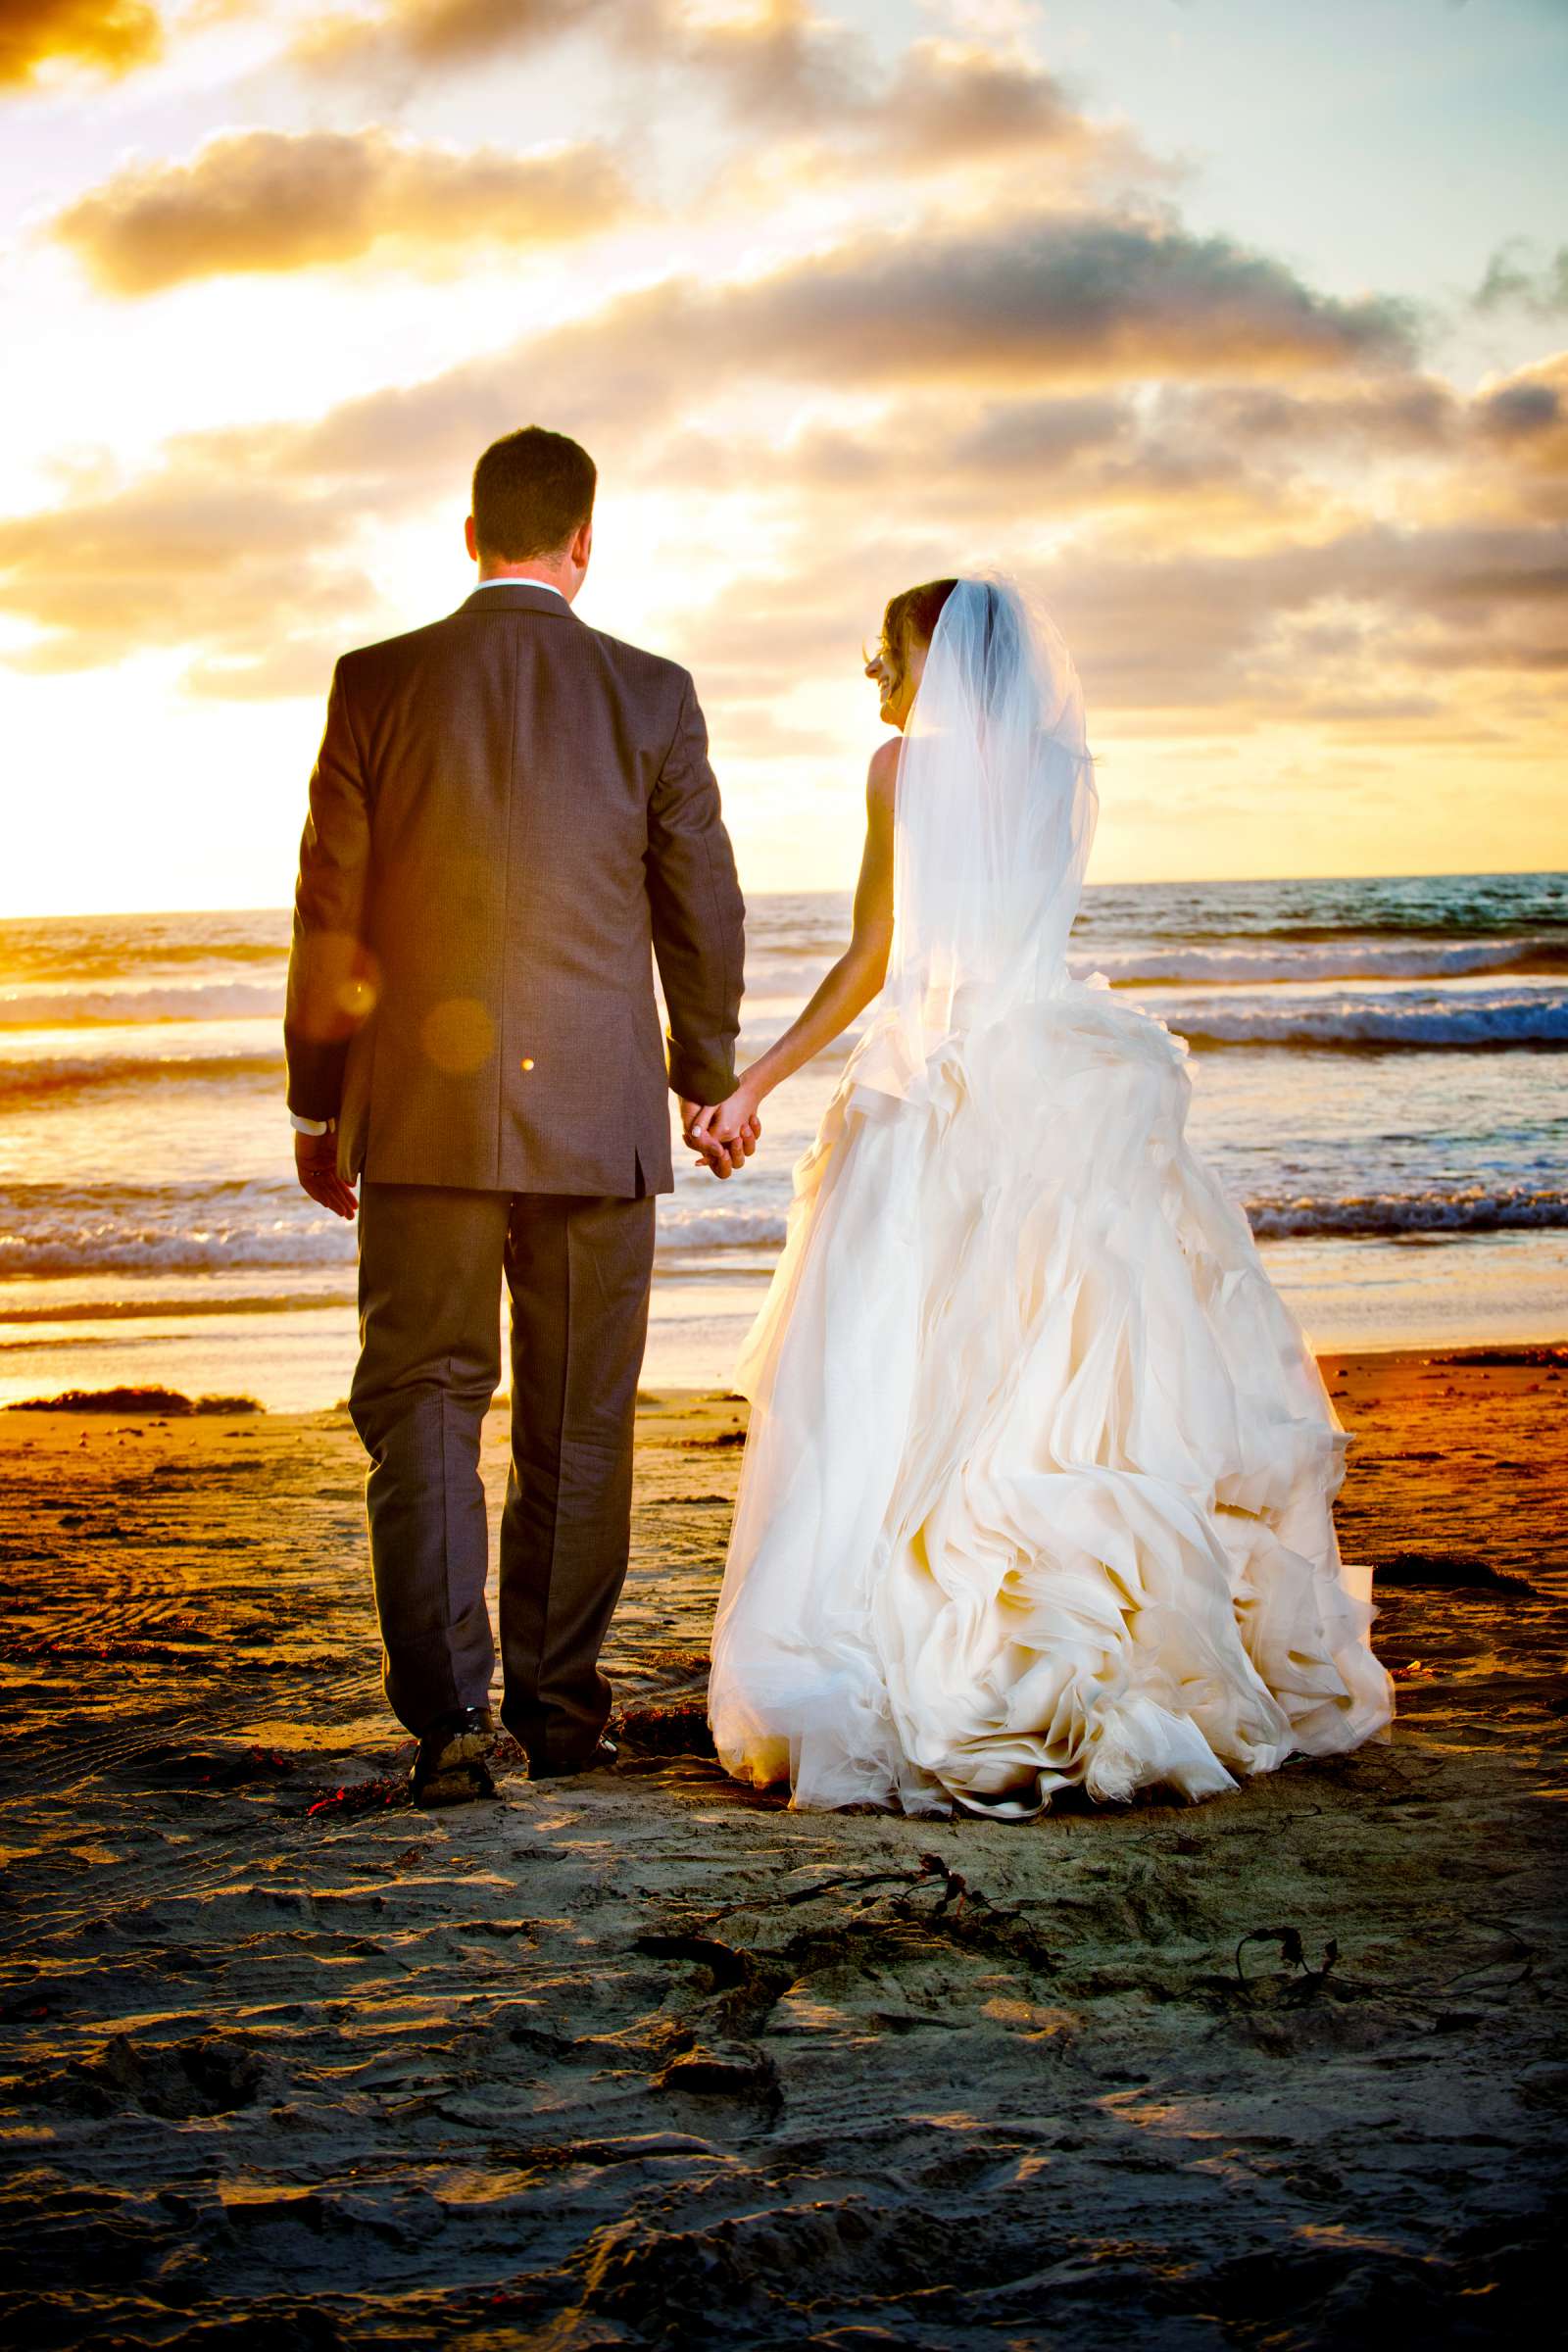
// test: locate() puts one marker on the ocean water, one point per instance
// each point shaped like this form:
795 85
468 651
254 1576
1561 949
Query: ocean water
1379 1078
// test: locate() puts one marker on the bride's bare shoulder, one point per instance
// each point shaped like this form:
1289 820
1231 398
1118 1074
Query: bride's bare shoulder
882 775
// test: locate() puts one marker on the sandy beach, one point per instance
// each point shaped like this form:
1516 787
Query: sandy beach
648 2059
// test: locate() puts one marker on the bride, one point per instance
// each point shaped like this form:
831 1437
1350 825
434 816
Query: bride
1039 1482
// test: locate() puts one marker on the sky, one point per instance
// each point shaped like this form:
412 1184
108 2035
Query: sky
1237 330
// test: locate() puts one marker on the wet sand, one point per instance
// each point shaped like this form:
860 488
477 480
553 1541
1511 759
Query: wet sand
647 2059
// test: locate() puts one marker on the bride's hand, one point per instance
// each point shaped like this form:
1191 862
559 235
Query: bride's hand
724 1135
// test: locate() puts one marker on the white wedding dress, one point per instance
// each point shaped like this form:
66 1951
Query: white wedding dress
1039 1481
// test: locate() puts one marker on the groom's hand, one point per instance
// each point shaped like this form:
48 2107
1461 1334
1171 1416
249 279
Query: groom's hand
315 1165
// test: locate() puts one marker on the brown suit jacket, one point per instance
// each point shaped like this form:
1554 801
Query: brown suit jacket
509 811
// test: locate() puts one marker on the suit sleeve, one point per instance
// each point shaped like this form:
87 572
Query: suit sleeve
329 983
699 915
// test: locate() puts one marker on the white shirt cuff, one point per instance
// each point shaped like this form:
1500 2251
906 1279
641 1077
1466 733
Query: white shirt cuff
308 1126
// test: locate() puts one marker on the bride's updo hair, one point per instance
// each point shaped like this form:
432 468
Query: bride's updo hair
911 615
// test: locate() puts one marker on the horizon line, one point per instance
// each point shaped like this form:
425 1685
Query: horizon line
1460 873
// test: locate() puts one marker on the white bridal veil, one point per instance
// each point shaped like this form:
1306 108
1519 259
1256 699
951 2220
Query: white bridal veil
996 816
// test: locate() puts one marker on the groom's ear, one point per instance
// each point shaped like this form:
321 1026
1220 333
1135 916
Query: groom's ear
470 540
582 545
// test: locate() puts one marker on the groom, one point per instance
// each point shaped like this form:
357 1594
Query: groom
508 811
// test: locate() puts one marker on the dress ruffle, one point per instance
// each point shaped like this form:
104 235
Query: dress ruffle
1039 1486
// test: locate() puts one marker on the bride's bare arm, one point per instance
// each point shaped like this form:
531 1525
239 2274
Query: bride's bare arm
853 980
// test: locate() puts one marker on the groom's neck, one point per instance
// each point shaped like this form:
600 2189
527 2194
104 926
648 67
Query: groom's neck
562 578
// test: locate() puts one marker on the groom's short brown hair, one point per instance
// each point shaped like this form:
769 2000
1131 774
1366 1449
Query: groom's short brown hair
531 491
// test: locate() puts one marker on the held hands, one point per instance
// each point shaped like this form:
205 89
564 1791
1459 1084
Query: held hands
723 1135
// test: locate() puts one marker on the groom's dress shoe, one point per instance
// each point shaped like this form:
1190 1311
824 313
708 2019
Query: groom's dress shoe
450 1768
601 1757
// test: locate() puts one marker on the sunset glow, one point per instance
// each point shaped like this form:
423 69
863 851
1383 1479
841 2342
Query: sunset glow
1264 392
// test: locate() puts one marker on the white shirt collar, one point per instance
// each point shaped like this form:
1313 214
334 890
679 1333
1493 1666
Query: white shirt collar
549 584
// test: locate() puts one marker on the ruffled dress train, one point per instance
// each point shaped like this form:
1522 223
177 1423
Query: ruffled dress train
1037 1492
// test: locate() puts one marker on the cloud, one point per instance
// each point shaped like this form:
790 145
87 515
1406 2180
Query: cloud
1511 283
275 201
1043 298
787 71
1401 414
1055 392
212 553
1020 308
1186 628
954 102
1175 636
1208 448
780 72
1057 295
435 34
1526 415
834 111
1039 330
1041 460
779 58
239 551
95 36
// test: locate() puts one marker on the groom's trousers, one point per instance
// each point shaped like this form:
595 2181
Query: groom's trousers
432 1261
